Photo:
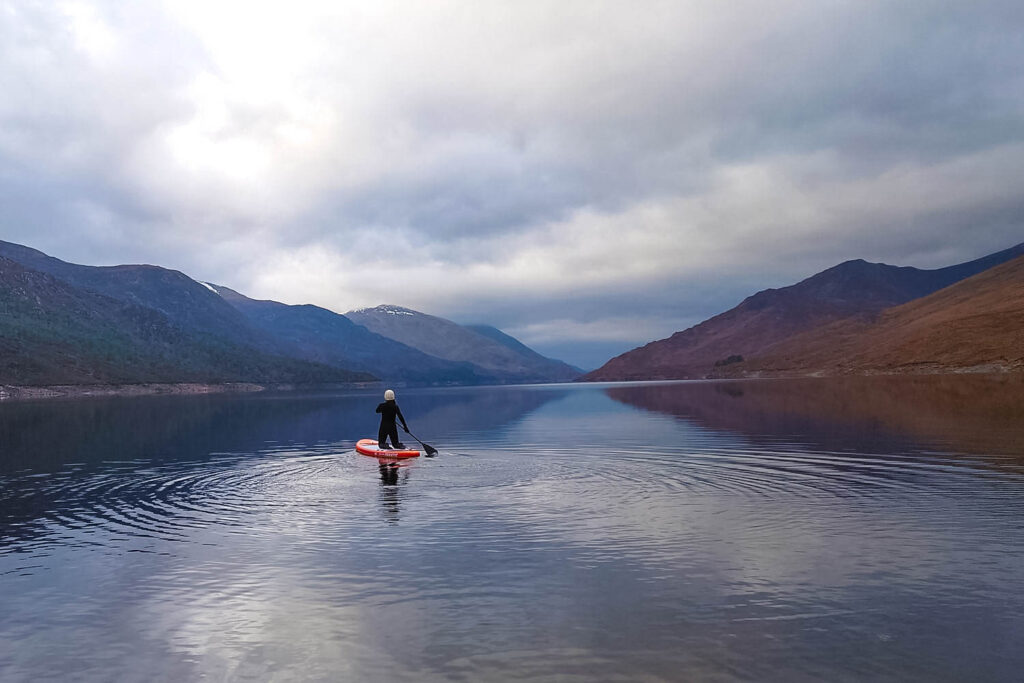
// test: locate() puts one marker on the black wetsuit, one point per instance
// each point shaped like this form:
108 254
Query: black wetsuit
388 411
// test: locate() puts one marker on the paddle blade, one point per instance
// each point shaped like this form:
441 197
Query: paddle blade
426 446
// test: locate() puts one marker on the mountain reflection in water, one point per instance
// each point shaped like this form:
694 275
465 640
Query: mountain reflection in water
784 530
973 414
59 455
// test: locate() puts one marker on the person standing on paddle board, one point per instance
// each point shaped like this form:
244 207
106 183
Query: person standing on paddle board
389 410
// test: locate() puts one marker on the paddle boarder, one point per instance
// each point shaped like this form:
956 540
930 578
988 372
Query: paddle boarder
389 410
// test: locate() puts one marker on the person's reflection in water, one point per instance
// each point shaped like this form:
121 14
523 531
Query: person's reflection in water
392 475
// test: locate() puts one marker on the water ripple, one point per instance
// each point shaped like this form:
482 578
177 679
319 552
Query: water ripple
623 546
167 502
172 501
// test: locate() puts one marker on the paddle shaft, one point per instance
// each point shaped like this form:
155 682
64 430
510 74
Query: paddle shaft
426 446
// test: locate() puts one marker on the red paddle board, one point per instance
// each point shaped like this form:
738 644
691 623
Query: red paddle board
370 447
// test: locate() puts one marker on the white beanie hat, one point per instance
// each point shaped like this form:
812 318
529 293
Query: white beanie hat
389 395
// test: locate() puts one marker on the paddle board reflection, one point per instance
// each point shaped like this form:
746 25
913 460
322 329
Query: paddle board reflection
393 475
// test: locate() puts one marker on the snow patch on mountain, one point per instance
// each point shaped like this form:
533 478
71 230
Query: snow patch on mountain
391 310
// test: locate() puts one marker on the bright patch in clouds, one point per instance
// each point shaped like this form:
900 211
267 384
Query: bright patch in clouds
91 34
588 171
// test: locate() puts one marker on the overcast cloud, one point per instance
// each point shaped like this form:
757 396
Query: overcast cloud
587 176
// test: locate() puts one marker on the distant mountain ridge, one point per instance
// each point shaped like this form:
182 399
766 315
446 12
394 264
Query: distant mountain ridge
851 289
144 323
504 357
54 333
511 342
320 335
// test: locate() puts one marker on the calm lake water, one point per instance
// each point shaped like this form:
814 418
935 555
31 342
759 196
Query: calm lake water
806 530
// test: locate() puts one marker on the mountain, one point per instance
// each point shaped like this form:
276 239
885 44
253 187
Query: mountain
560 368
52 332
186 303
143 323
317 334
505 360
854 288
974 325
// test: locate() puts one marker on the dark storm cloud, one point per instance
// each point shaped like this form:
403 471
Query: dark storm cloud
570 171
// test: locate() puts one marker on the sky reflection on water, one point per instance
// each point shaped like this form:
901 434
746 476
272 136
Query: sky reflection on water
807 530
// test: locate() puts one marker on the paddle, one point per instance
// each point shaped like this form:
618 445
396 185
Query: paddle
426 446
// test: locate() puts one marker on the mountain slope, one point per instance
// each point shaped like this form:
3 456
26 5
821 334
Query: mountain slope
220 317
853 288
54 333
558 369
320 335
185 302
976 324
445 339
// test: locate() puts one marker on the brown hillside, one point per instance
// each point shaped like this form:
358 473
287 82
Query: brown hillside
853 289
974 325
744 330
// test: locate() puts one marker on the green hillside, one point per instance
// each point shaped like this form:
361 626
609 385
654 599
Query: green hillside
54 333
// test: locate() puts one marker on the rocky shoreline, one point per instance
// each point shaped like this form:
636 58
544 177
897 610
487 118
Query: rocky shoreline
906 369
14 393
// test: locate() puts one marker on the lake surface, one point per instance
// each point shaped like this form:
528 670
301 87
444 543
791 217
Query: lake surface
800 530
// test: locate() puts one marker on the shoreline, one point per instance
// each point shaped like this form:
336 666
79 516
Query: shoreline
58 391
925 368
920 369
11 392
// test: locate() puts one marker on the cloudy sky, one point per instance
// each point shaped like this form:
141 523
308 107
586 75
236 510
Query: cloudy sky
588 176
